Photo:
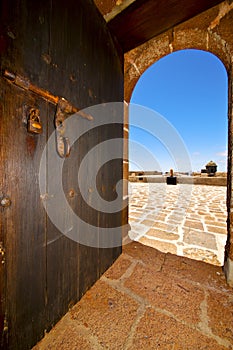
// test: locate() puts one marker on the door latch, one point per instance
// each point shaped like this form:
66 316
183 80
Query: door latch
64 109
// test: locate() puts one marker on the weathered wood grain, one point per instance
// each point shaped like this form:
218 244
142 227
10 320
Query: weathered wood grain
64 48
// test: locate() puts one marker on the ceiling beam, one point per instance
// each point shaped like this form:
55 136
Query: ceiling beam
144 19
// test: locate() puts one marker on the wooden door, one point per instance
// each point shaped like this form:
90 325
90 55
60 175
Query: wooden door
68 51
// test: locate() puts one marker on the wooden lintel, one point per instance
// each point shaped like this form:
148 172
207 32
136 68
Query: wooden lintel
144 19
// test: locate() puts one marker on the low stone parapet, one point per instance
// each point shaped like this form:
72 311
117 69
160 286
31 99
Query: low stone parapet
210 181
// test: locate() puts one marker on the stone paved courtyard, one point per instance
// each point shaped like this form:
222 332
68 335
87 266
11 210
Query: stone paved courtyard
187 220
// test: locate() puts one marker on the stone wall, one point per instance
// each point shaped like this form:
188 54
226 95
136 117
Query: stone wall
210 31
209 181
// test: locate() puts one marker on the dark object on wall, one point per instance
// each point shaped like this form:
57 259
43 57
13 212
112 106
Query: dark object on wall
211 168
171 180
57 45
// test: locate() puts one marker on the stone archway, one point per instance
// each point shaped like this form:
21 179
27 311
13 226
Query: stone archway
210 31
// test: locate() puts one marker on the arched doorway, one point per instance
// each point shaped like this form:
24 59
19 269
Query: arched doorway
189 88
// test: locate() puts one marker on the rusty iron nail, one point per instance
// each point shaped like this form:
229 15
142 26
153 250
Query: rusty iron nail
5 202
71 193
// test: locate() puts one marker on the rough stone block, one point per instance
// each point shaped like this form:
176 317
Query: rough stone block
159 331
201 239
160 245
172 295
228 268
107 313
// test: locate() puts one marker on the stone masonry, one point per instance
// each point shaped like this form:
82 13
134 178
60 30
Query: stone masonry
209 31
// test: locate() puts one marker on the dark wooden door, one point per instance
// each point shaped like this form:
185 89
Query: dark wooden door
67 50
23 223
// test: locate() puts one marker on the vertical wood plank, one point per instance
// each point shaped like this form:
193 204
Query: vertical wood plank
62 252
24 222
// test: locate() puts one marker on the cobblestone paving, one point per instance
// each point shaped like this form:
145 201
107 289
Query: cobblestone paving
187 220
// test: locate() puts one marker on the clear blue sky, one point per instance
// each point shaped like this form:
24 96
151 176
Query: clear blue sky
189 89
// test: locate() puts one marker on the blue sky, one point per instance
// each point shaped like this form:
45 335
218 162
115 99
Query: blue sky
189 89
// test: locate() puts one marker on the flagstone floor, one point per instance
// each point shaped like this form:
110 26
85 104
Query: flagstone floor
187 220
150 299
